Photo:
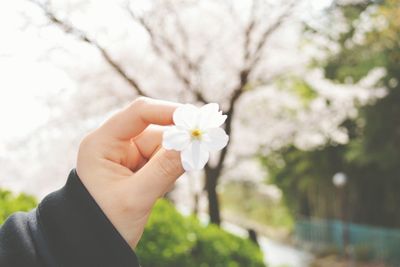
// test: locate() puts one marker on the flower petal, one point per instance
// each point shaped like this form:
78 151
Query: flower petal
195 156
186 116
210 116
174 138
210 107
215 139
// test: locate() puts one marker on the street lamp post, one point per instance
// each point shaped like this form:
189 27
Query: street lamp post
340 180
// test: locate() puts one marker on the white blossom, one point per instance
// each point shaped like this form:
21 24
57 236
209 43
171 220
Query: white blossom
196 133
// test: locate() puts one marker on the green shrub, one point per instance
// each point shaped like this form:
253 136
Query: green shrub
172 240
10 203
217 248
167 238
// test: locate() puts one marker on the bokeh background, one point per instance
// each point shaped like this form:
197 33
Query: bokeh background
311 175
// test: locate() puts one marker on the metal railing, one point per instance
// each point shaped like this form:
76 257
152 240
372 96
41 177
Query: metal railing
364 243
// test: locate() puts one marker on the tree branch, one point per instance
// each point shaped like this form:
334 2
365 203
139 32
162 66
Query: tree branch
160 43
249 31
246 71
81 35
238 91
268 32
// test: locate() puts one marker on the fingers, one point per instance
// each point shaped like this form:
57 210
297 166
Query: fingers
149 141
146 143
160 172
133 119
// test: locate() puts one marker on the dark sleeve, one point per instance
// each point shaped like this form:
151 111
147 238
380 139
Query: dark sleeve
67 229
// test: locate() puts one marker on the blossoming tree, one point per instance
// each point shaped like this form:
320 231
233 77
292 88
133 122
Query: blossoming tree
228 52
227 60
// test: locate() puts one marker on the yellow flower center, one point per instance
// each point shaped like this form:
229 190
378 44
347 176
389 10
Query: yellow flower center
196 133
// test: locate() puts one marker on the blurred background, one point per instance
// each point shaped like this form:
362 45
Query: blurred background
311 175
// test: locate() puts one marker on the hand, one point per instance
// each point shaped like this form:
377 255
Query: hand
125 169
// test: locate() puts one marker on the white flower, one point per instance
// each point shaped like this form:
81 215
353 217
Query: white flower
196 133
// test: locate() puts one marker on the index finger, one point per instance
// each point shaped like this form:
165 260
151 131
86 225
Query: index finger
132 120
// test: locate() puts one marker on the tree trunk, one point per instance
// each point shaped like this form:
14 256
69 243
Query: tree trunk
213 173
196 204
213 202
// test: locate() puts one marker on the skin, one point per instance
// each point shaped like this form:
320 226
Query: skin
124 168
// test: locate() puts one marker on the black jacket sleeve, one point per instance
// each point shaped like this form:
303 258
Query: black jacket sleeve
67 229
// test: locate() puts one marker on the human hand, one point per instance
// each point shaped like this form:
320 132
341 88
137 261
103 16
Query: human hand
125 169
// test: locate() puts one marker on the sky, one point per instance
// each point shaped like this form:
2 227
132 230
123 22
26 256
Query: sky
25 80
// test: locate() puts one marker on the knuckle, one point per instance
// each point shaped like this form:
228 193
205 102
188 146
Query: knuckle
91 143
140 101
84 156
170 164
87 141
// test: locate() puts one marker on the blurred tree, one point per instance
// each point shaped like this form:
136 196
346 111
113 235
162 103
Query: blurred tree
375 150
230 54
370 40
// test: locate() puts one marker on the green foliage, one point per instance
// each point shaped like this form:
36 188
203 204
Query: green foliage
243 199
376 146
171 240
167 238
9 203
371 158
305 178
346 65
216 248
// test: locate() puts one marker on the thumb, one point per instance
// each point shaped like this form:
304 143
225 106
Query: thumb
160 172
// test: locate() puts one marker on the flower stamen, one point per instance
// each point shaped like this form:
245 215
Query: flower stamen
196 133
